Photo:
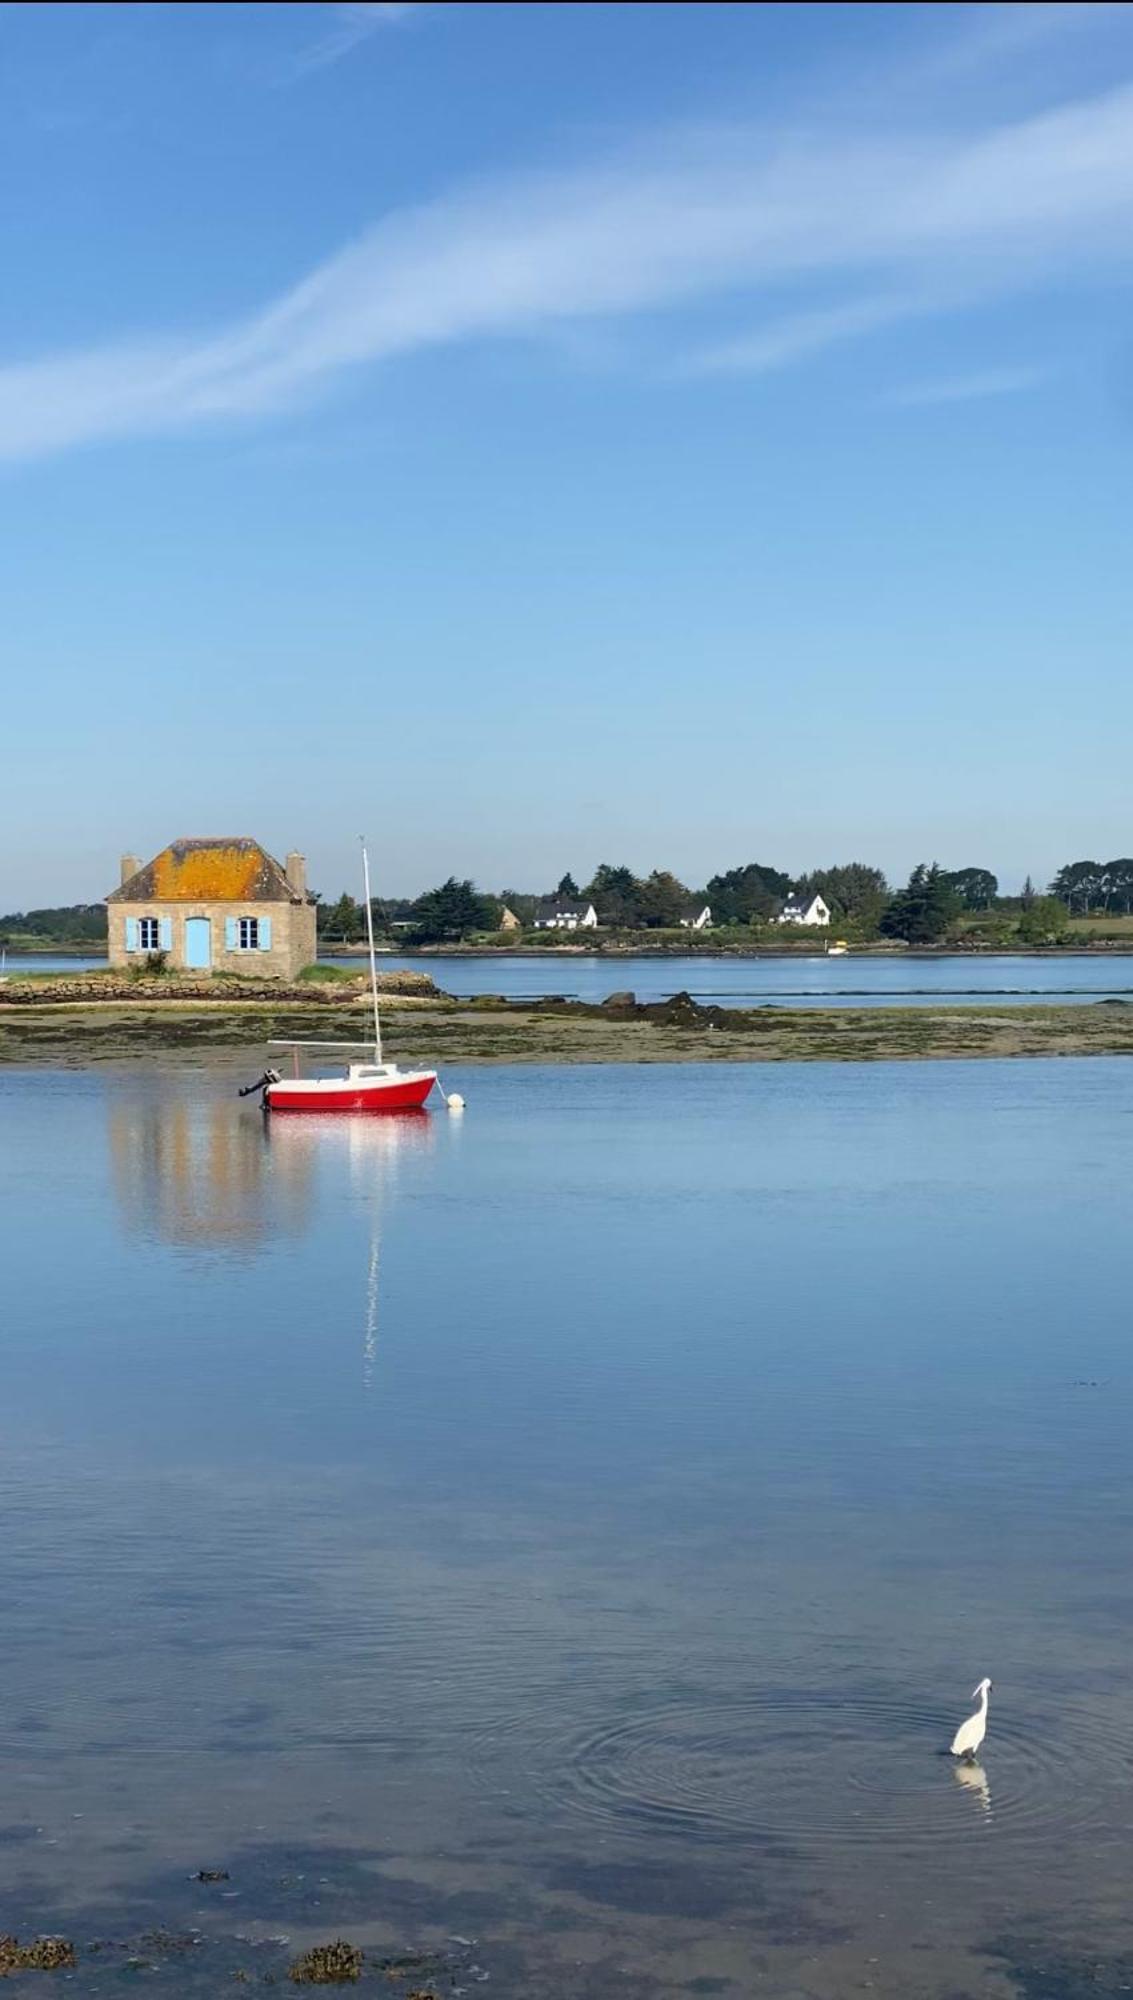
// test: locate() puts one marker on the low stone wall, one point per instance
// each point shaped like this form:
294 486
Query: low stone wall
182 986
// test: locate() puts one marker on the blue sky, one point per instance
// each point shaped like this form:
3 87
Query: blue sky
540 435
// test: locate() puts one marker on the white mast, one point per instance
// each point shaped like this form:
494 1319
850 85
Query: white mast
373 961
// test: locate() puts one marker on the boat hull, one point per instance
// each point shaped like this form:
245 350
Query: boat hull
403 1093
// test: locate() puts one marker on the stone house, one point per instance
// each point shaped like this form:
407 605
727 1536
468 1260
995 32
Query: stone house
696 916
214 906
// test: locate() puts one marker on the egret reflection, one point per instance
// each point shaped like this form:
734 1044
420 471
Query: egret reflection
973 1778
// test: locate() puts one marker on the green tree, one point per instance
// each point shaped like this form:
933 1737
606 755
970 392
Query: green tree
614 893
853 890
1119 885
452 911
743 893
660 900
1044 922
341 922
1080 885
974 888
569 887
922 911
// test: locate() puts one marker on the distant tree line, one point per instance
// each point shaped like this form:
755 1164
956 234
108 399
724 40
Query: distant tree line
857 895
1090 887
71 923
860 899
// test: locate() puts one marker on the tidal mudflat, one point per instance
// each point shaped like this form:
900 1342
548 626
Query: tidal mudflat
490 1029
549 1549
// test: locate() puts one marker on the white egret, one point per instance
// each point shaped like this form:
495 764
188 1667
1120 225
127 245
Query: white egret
971 1733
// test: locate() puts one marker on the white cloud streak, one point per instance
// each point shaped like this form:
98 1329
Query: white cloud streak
898 225
354 22
972 388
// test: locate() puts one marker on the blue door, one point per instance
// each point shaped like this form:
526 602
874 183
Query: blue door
198 943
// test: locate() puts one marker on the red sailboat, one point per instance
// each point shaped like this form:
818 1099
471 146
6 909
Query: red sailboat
370 1084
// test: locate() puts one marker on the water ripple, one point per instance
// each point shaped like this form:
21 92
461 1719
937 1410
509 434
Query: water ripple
802 1766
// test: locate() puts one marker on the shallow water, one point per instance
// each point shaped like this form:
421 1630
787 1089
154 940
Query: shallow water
576 1527
815 981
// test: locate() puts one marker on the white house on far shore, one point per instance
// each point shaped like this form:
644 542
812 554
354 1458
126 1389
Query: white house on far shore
804 910
557 914
695 916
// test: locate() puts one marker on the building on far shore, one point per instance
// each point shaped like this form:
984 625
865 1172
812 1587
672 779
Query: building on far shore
508 920
557 914
804 910
696 916
214 906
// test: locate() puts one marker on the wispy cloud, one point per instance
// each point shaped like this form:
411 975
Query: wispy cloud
879 228
781 341
352 24
969 388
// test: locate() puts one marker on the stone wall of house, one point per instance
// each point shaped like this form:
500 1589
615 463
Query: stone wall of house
293 942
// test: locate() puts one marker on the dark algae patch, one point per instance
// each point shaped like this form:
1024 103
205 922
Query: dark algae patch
1042 1969
195 1964
337 1964
45 1954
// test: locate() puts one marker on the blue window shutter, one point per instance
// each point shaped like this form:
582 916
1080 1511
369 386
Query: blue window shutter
166 933
231 934
265 933
131 934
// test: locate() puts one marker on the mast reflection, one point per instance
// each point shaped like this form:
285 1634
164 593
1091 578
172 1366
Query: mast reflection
374 1150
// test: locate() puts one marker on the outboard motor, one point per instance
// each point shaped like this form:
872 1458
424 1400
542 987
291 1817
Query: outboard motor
269 1076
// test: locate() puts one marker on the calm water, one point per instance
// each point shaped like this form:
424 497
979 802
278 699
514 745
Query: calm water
800 982
751 982
576 1527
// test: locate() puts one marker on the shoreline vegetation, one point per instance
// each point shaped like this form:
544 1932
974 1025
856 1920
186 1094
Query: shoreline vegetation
74 1021
745 911
648 944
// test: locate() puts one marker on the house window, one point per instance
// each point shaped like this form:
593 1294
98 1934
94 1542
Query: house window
149 934
248 934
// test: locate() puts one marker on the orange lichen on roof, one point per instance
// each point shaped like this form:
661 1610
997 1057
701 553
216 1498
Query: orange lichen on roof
209 871
220 874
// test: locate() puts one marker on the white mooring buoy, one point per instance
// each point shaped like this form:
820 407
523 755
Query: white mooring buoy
455 1101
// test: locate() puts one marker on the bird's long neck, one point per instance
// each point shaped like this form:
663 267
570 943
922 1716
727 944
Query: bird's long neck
983 1701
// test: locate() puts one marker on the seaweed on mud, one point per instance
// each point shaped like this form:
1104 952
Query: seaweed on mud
337 1964
44 1954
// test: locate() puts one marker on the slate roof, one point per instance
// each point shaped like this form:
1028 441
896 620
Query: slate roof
558 906
225 870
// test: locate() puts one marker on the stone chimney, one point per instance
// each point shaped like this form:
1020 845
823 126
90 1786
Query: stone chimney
130 866
296 871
